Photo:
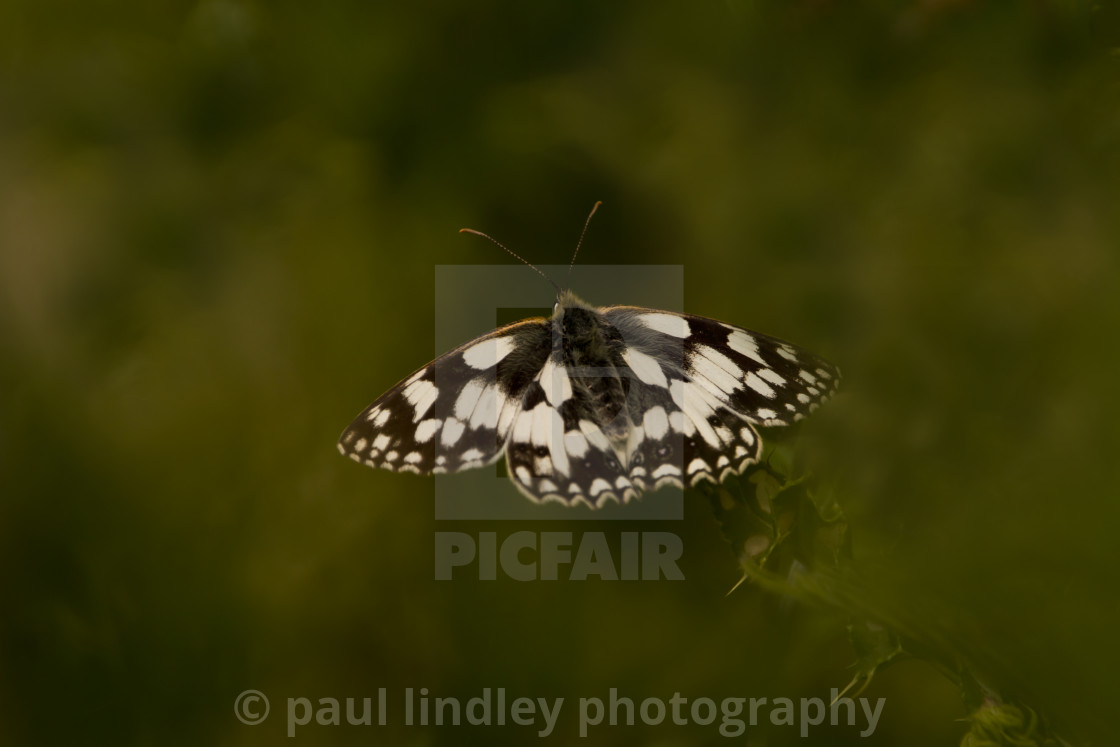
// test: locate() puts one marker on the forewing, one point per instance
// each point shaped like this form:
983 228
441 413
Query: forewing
763 379
456 412
710 383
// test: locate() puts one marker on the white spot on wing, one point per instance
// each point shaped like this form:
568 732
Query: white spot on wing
772 376
697 404
421 395
554 380
598 485
760 386
380 442
467 399
711 374
542 420
523 427
655 422
556 444
645 367
743 344
486 410
509 412
486 354
634 441
669 324
680 424
452 429
719 359
542 465
427 429
594 436
575 443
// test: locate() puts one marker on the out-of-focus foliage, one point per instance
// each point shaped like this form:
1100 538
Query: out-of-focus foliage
218 227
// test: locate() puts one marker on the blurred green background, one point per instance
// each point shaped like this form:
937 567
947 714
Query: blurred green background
218 228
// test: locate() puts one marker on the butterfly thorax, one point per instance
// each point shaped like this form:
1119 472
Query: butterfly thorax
591 349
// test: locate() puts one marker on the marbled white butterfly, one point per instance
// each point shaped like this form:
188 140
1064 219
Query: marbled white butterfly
594 403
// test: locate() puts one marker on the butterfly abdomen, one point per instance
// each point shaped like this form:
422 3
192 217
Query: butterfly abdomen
590 349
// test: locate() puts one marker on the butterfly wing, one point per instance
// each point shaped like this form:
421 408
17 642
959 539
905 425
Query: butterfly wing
456 412
558 448
687 435
693 389
714 382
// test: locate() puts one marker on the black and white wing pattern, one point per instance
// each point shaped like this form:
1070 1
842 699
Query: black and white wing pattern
654 398
595 404
454 413
715 382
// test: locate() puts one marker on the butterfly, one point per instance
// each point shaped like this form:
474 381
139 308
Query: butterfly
594 403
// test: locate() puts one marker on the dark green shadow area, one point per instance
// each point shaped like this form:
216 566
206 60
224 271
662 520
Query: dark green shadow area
219 222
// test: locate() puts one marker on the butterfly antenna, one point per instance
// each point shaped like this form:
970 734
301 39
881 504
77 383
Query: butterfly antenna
515 254
579 243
